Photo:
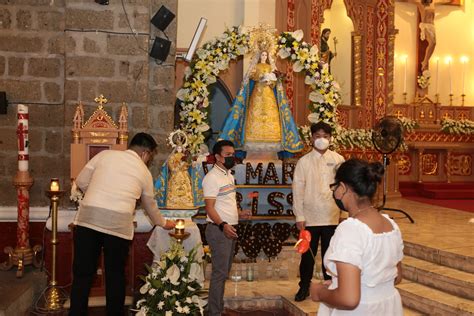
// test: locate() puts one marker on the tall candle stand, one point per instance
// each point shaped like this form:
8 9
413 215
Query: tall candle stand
54 297
450 99
22 254
462 99
404 98
437 98
179 234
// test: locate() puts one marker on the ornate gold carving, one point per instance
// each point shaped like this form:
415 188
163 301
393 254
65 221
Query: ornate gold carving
100 118
437 137
399 114
390 67
357 39
429 164
422 114
404 164
99 134
460 165
101 100
98 141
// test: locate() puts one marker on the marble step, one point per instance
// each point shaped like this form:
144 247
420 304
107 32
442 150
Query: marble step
434 302
453 281
441 257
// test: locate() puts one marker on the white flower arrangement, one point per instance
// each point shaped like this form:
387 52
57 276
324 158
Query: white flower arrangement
459 127
325 93
352 138
305 134
173 285
409 125
424 79
76 194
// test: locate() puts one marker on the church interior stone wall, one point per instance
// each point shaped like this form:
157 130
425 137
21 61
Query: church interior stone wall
55 53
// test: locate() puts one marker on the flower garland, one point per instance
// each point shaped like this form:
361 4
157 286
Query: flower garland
424 79
325 93
461 127
173 285
215 56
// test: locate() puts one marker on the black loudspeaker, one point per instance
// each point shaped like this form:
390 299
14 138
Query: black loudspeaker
162 18
3 102
160 49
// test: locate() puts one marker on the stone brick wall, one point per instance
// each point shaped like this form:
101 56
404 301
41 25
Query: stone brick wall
54 53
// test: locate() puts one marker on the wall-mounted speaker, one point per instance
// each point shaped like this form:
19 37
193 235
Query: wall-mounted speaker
162 18
3 102
160 49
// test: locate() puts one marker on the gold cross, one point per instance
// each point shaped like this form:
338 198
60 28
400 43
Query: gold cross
462 116
446 115
399 114
101 100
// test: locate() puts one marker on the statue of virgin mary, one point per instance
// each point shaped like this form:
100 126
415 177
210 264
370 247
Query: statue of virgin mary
260 118
179 185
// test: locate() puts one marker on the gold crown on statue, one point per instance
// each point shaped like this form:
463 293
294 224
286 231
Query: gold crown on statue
262 38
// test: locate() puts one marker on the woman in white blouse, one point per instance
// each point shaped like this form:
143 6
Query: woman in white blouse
365 253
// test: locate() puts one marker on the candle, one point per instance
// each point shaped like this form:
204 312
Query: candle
437 74
54 186
450 76
22 134
463 62
405 76
180 224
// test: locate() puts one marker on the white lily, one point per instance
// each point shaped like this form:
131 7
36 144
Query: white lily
297 35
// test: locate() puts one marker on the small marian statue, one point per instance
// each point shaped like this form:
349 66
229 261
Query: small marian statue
179 183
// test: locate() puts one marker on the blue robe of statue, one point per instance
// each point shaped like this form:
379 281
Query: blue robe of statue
234 125
161 185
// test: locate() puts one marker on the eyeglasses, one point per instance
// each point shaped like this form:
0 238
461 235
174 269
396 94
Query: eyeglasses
333 187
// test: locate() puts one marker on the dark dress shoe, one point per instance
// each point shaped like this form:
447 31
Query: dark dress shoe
301 295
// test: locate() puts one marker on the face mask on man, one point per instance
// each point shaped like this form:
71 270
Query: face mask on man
229 162
321 143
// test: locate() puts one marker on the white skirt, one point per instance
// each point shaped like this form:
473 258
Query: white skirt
382 299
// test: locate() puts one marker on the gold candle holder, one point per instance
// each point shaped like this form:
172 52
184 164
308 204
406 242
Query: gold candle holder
450 99
179 234
404 98
437 98
54 297
462 99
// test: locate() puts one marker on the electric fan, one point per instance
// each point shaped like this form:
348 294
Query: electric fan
387 135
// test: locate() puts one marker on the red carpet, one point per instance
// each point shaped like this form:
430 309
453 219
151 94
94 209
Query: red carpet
462 205
439 190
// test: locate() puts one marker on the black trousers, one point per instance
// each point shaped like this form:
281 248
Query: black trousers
307 261
88 244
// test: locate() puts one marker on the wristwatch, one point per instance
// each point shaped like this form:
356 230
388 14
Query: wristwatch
221 225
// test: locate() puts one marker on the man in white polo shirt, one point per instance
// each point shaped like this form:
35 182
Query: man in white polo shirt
112 181
222 213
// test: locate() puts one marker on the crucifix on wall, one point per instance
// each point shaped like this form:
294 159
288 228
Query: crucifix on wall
426 37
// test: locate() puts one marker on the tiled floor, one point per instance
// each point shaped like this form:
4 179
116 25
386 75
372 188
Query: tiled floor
436 227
